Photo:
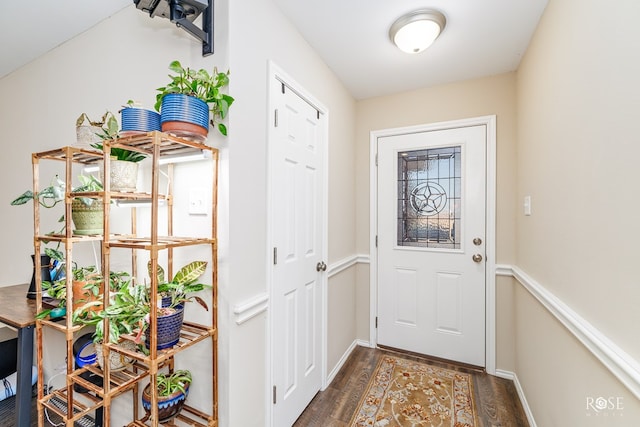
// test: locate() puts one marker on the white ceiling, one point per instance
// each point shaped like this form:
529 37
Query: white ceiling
481 38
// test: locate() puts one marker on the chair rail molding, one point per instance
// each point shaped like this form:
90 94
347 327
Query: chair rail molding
345 263
622 365
250 308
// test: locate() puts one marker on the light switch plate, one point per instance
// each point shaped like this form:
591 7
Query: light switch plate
527 205
197 201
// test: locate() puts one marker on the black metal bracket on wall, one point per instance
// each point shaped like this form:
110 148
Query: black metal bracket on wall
183 13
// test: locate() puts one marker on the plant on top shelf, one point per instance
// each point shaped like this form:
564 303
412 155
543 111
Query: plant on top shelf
200 84
123 174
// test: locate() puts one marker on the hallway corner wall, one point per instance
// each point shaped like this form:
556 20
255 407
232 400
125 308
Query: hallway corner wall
578 103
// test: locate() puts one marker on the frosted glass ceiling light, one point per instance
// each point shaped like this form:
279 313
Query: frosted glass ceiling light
416 31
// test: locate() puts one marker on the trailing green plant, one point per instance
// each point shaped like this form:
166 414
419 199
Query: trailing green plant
50 196
167 384
200 84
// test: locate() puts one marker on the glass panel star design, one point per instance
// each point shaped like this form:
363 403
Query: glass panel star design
429 198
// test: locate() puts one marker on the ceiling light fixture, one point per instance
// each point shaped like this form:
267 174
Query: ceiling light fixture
416 31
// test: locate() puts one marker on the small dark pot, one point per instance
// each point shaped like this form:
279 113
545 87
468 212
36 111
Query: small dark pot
45 274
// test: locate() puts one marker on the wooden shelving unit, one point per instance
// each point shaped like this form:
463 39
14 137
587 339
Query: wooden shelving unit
101 394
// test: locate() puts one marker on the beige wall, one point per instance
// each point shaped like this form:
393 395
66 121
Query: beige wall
578 104
258 33
124 57
474 98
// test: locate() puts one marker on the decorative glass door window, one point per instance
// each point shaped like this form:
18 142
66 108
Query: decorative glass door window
429 198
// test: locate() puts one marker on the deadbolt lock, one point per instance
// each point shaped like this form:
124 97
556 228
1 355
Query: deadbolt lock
477 241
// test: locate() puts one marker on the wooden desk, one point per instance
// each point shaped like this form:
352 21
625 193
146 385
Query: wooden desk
18 311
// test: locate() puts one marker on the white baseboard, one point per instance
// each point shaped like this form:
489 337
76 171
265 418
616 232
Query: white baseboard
363 343
523 399
340 363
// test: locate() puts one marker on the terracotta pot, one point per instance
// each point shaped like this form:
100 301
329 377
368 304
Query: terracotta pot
186 130
82 296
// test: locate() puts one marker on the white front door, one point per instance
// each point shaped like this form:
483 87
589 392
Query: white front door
297 180
431 240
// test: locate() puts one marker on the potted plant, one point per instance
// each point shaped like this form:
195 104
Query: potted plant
123 173
86 212
87 285
196 92
121 314
172 391
53 259
87 130
174 294
128 311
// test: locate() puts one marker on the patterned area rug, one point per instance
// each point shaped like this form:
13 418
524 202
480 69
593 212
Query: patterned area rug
407 393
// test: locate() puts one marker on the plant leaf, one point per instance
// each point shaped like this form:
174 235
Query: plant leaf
190 273
159 272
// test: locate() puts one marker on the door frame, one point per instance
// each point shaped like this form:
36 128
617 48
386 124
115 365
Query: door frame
275 72
490 249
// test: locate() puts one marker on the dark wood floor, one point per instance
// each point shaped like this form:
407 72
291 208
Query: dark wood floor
497 401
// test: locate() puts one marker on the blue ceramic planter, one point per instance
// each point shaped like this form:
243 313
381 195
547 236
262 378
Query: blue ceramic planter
169 406
168 330
139 119
177 107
